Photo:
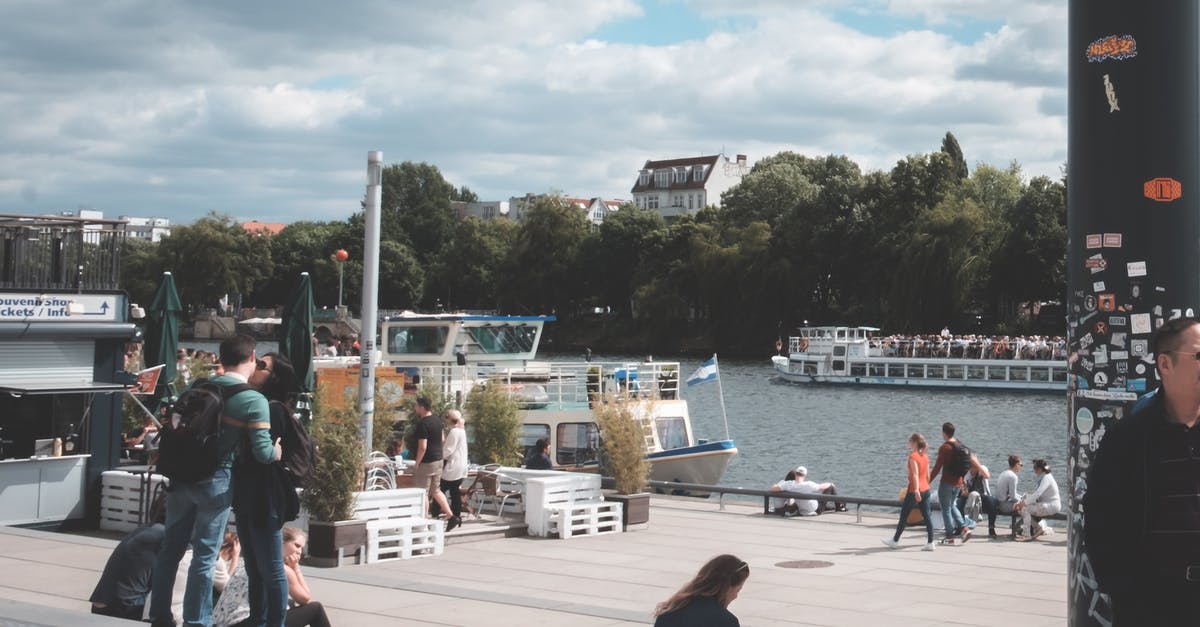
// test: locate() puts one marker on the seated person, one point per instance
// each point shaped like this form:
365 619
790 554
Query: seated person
227 561
811 507
124 584
234 605
1042 501
786 506
976 498
139 443
1007 496
539 457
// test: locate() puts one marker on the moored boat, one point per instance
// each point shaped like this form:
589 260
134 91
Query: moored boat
845 356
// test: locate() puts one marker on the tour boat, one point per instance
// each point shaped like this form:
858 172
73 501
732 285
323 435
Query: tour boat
460 351
844 356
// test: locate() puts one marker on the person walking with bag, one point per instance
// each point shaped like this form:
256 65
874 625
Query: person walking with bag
454 470
917 469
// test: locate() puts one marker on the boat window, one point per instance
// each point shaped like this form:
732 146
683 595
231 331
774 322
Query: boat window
530 434
954 372
916 371
997 373
975 372
1018 374
810 367
417 340
839 365
895 370
841 334
935 371
877 370
505 338
1039 374
578 443
858 370
839 351
672 433
1059 374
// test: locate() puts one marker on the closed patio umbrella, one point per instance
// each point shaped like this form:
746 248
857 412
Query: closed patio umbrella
295 336
162 333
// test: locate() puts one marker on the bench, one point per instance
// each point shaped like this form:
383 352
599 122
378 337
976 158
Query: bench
396 525
126 497
569 506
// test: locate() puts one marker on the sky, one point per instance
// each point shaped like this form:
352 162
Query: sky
266 110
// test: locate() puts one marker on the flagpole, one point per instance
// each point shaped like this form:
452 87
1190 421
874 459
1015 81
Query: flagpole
721 394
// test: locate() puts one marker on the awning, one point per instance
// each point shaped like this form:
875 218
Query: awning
261 321
22 387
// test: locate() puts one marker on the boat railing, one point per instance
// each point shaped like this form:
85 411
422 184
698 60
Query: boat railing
947 349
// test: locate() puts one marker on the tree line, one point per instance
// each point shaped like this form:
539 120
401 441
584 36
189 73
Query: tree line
925 245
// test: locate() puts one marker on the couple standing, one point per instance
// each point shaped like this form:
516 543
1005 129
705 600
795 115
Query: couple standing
441 464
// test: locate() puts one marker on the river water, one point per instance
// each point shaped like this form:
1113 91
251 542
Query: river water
854 436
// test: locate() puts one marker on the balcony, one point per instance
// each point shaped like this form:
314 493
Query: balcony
60 253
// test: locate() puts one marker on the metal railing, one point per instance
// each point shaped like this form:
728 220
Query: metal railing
60 253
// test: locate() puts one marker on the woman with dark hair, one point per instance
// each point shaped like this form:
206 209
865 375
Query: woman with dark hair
703 601
917 469
1042 501
264 499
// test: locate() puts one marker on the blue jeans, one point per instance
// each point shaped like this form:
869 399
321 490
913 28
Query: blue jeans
910 502
262 546
951 516
196 512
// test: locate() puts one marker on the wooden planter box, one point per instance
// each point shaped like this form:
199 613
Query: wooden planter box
329 542
635 509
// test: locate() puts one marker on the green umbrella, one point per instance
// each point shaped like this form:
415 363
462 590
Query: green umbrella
162 337
295 336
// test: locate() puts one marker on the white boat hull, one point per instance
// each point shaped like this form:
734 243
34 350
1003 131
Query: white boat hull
701 464
783 367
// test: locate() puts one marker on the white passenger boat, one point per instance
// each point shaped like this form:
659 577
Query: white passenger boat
844 355
459 351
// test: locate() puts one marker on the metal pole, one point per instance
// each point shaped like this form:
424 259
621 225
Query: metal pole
721 394
370 297
1133 219
340 266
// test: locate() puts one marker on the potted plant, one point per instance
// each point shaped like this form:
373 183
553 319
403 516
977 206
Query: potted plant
329 495
623 433
495 426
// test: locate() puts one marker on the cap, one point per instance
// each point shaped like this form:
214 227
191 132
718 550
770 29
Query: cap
801 470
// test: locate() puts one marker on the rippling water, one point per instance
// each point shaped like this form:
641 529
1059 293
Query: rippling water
855 436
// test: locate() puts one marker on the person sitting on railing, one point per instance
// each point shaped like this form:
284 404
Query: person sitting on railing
539 457
786 506
812 507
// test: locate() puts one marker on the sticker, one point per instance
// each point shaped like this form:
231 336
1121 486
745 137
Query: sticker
1118 382
1136 385
1139 348
1101 379
1135 290
1089 302
1122 367
1116 47
1107 302
1136 268
1117 321
1094 241
1157 310
1139 323
1096 263
1084 420
1101 355
1101 327
1086 341
1087 364
1190 313
1112 240
1162 189
1118 340
1107 395
1119 355
1098 286
1159 288
1081 383
1175 313
1140 368
1111 95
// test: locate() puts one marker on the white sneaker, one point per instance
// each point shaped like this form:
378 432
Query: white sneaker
891 543
928 547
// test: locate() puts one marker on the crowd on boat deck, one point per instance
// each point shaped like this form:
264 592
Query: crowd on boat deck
971 346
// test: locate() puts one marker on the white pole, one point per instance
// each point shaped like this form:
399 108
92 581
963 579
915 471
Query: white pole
721 394
370 297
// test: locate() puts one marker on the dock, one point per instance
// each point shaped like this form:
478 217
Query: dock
824 570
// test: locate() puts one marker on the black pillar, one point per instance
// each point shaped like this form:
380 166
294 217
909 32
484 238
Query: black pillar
1134 229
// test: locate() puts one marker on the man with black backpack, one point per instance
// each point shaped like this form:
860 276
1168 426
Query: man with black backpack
954 461
196 453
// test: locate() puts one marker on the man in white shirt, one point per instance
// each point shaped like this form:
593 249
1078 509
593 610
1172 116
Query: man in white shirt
785 506
812 507
1006 490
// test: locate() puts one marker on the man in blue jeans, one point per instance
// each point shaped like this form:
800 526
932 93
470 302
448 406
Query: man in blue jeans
957 526
197 511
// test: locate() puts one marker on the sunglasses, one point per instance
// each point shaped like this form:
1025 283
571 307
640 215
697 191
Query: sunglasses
261 365
1195 355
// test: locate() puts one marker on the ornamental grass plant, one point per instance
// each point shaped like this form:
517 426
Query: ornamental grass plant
329 495
494 425
623 432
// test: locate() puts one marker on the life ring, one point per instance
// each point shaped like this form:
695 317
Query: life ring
803 344
778 346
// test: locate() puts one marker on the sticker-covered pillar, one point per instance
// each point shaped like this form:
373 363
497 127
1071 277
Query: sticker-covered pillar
1133 257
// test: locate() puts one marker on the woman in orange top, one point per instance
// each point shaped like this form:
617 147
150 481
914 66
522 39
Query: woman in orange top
917 469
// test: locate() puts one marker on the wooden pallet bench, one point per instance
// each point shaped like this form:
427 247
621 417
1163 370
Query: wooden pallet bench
569 506
396 525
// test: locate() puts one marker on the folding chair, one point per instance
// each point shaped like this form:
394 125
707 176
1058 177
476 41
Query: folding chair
487 486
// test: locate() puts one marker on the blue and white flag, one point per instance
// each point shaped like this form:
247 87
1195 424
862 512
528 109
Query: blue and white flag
705 373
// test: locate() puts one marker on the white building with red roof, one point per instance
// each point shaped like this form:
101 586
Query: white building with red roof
676 187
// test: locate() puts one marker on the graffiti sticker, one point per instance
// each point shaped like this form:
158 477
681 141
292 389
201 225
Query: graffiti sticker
1095 263
1112 240
1111 94
1136 268
1162 189
1093 241
1116 47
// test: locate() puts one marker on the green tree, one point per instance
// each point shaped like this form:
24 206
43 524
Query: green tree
494 422
212 257
467 272
1030 263
309 247
951 148
141 270
415 207
401 277
621 249
542 263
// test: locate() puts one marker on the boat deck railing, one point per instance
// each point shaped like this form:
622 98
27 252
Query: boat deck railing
857 501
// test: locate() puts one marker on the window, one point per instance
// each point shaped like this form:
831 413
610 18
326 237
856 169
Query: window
895 370
839 351
877 370
672 433
644 177
662 178
680 175
935 372
678 201
505 338
997 373
691 199
530 434
698 173
1058 374
652 202
858 370
839 365
954 372
975 372
578 443
1017 373
916 371
1039 374
422 340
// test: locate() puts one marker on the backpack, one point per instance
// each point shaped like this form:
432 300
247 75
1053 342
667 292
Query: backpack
960 459
299 453
189 443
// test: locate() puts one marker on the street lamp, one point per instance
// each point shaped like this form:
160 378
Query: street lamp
340 256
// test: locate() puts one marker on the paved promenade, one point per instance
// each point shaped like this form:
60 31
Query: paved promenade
45 578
